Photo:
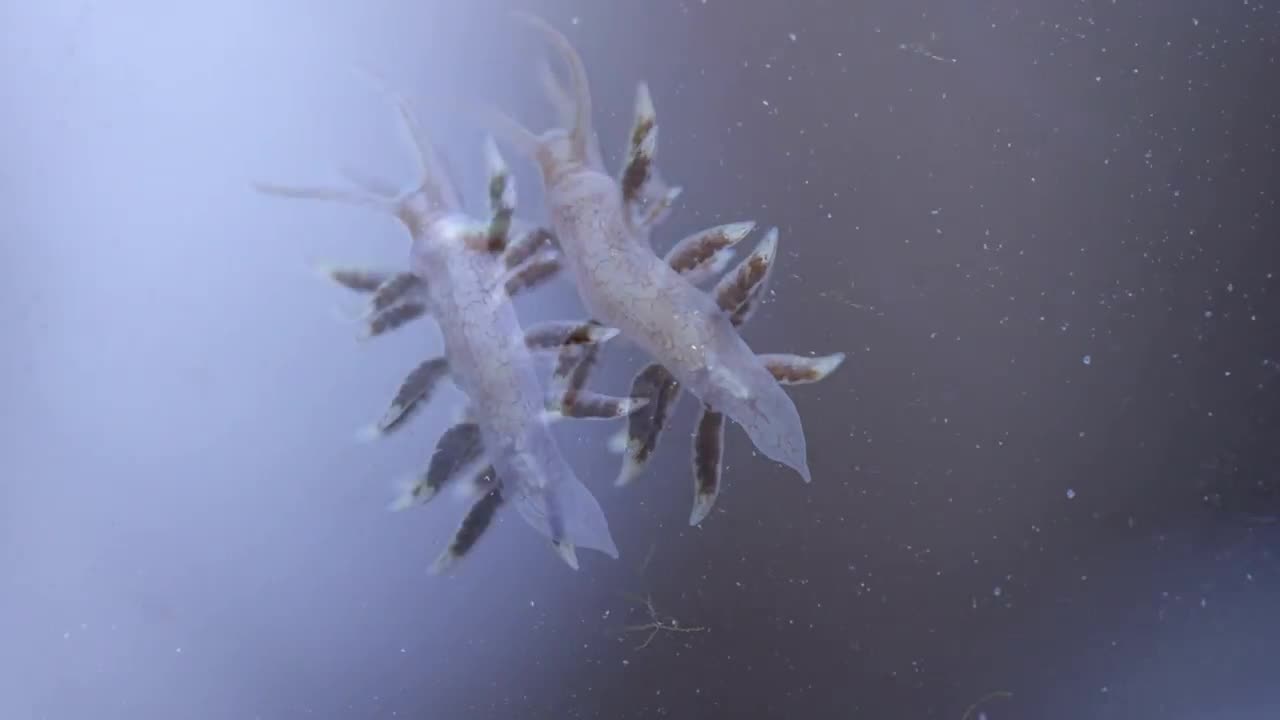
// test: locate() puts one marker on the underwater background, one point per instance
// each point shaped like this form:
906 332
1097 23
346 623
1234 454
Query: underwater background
1046 480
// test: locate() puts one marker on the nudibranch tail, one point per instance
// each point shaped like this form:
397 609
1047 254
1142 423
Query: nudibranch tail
551 499
771 420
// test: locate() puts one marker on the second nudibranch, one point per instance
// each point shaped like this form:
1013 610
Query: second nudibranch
602 225
463 273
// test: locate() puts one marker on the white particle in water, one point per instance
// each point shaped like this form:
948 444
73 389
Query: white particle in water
1071 494
1087 359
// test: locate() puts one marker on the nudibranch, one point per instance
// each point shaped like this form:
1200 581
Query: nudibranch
602 224
463 273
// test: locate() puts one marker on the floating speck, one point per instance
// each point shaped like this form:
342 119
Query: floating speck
1087 359
1071 494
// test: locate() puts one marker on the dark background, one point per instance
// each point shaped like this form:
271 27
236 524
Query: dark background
1043 231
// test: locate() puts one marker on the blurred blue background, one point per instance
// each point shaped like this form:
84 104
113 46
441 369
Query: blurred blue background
1044 233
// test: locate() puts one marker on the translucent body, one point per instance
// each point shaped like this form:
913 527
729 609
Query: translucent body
490 363
623 284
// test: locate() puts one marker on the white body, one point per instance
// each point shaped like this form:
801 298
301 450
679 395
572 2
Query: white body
623 284
490 363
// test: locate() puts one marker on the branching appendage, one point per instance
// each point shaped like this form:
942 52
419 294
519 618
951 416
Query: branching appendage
659 623
989 696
